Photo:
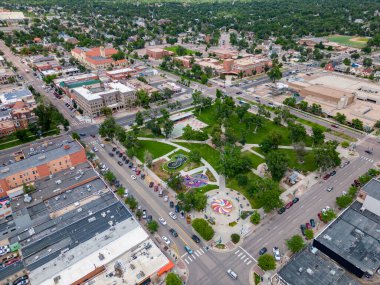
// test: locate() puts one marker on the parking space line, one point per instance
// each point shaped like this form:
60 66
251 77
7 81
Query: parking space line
240 254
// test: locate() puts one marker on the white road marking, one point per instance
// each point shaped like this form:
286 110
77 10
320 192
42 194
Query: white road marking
249 262
193 256
245 260
189 258
197 254
236 252
247 253
184 255
243 256
186 261
302 206
240 254
202 250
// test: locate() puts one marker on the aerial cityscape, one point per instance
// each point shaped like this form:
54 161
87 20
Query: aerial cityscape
201 142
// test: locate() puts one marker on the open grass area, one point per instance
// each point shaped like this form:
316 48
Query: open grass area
147 133
233 184
308 164
157 149
206 188
174 49
211 155
355 42
209 117
255 159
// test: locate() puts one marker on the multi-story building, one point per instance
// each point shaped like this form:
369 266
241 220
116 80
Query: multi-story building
248 65
114 95
158 53
121 73
38 161
225 53
98 57
139 85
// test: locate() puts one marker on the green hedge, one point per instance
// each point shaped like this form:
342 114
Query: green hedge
203 228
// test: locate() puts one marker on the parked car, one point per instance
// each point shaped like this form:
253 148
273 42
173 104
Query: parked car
320 216
196 238
142 175
173 232
327 176
276 253
303 229
151 184
289 205
124 158
114 149
111 154
120 163
295 200
312 223
166 198
150 218
176 208
329 189
162 221
138 171
332 173
171 204
155 188
172 215
144 214
166 240
188 249
308 226
263 251
281 210
133 177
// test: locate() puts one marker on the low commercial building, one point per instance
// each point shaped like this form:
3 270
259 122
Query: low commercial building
11 97
158 53
114 95
310 267
121 73
39 160
352 240
139 85
247 66
97 57
11 17
369 195
171 86
73 230
225 53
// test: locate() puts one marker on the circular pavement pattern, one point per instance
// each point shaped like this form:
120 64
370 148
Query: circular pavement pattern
222 206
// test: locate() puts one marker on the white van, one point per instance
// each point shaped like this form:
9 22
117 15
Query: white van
232 274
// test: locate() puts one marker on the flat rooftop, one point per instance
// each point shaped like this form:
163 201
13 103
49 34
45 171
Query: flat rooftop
372 188
307 268
37 155
355 237
122 70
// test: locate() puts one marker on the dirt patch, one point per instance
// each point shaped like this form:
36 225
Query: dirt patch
157 167
210 176
359 40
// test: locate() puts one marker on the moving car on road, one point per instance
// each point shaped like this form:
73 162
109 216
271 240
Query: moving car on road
232 274
162 221
172 215
166 240
188 249
133 177
173 232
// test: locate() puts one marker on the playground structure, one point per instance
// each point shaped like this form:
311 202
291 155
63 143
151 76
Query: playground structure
178 162
195 180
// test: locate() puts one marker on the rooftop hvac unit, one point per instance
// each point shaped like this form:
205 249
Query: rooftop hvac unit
41 157
309 271
58 182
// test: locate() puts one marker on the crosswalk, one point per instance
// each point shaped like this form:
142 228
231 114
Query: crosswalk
367 159
243 256
193 257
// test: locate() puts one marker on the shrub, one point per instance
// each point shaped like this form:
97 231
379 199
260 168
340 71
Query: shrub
203 229
232 224
344 201
309 234
255 218
345 144
235 238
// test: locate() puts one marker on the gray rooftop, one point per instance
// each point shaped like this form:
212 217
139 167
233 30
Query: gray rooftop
307 268
355 236
38 155
17 94
372 188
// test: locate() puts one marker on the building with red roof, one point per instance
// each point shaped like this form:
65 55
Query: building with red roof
97 57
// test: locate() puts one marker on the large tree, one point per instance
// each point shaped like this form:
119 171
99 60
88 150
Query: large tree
277 163
295 243
326 156
297 132
108 128
318 135
173 279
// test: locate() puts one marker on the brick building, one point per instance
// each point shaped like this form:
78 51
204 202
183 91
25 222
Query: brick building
38 161
158 53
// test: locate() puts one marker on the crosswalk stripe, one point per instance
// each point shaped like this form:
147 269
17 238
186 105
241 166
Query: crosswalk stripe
242 256
186 261
201 250
236 252
194 257
245 260
189 258
197 254
249 262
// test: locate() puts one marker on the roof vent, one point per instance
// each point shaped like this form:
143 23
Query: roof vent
327 237
309 271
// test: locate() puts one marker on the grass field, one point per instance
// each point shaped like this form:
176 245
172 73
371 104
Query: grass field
355 42
255 160
211 155
157 149
209 117
174 49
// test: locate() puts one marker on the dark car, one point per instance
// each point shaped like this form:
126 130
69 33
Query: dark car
173 232
196 238
130 165
295 200
142 175
303 229
368 151
149 218
114 148
176 208
332 173
120 154
263 251
124 158
82 134
151 184
171 204
127 161
327 176
120 163
117 151
111 154
281 210
312 223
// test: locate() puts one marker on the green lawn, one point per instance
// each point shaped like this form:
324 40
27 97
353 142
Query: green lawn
206 188
232 183
308 165
211 155
345 40
209 117
174 49
157 149
188 165
255 159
